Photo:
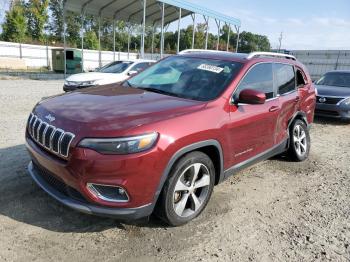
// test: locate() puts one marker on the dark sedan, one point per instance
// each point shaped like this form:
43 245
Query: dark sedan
333 99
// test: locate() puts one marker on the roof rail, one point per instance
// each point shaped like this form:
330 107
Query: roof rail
270 54
187 51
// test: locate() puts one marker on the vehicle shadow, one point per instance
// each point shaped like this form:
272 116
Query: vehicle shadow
330 121
22 200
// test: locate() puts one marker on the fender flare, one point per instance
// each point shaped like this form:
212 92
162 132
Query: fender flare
183 151
297 115
300 114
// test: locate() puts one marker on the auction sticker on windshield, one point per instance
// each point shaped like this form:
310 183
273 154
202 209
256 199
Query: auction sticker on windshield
210 68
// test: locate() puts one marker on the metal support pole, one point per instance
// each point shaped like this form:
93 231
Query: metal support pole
162 32
218 40
82 39
99 41
206 18
114 28
178 31
20 51
228 37
64 39
153 32
143 29
129 36
47 55
194 28
237 44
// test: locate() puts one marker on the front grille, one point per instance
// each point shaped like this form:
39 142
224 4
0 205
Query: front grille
53 139
58 184
326 112
329 100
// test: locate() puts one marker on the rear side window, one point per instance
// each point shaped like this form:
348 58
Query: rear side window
140 67
284 78
301 79
259 78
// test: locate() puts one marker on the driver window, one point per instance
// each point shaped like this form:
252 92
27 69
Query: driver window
258 78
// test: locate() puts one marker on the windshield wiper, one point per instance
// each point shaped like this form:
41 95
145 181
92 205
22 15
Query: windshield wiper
128 83
155 90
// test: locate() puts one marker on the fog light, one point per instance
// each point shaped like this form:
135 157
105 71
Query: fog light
108 193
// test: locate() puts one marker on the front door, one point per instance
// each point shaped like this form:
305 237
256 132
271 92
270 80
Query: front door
252 127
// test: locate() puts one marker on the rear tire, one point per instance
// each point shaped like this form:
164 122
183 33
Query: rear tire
188 189
300 142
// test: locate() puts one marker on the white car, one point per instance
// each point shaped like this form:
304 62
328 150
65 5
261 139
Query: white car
111 73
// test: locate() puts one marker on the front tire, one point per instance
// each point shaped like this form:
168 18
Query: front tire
188 189
300 142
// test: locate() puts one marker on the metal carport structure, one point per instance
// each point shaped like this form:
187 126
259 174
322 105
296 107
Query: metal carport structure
147 12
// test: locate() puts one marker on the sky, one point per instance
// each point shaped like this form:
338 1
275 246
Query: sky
306 24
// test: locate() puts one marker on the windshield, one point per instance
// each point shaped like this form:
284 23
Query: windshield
335 79
115 67
186 77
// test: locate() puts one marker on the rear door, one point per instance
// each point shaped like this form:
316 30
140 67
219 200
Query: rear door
285 83
252 127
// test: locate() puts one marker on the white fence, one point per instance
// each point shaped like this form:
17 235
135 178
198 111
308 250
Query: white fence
37 56
319 62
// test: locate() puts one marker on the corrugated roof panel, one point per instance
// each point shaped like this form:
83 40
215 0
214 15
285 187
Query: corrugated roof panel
132 11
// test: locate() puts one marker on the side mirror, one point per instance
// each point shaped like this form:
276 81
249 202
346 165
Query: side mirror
132 72
252 97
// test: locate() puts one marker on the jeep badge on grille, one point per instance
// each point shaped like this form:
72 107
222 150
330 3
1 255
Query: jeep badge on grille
50 118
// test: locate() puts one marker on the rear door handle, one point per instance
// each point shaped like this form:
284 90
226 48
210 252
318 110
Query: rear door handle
274 109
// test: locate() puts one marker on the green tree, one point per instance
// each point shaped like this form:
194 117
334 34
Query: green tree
15 24
56 20
250 42
36 12
90 40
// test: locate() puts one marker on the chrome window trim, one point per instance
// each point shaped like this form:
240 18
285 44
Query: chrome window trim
273 80
246 73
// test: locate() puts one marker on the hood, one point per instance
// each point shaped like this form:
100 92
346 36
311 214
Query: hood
91 76
106 110
333 91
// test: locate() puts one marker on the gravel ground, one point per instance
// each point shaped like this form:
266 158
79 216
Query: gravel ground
275 211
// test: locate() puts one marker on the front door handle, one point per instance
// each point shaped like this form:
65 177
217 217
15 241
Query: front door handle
274 108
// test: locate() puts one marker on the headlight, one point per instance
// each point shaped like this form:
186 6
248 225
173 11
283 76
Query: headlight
120 146
83 83
346 102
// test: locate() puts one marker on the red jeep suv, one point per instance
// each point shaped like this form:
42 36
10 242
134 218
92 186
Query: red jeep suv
162 140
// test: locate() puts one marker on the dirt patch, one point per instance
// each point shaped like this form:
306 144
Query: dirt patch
275 211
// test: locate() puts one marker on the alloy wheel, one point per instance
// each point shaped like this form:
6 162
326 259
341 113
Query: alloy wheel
300 140
191 190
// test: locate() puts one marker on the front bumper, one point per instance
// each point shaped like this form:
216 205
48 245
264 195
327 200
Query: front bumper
333 111
73 88
88 208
